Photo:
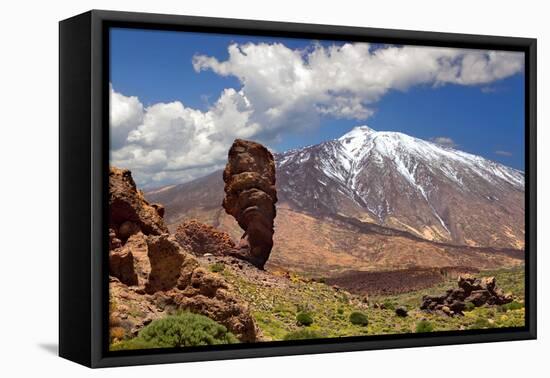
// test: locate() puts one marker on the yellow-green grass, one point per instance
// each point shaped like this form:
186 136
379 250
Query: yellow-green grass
275 308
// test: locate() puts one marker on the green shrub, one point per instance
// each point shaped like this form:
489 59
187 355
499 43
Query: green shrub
424 326
132 344
359 318
389 304
340 311
480 323
303 334
182 330
511 306
305 319
469 306
217 267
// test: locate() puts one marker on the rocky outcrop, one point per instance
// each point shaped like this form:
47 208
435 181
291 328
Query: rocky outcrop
152 274
201 238
129 212
250 197
472 290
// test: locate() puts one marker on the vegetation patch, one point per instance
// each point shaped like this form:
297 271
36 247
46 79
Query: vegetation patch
303 334
275 308
304 319
359 318
424 326
217 267
181 330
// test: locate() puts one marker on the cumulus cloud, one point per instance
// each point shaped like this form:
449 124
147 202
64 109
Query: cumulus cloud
344 81
171 142
444 141
503 153
125 114
282 90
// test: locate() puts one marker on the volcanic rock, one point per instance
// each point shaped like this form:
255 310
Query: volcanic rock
250 197
127 204
121 265
202 239
152 275
401 311
166 260
477 291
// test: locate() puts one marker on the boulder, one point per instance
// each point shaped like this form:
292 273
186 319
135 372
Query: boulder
202 239
166 261
401 311
121 265
250 197
114 241
127 229
479 297
470 289
127 204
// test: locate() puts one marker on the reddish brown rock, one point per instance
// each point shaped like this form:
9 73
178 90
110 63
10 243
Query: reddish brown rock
200 238
159 208
114 241
470 289
152 275
127 204
137 243
250 197
166 259
121 265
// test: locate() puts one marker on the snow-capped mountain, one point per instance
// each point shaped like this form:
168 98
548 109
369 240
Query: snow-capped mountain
399 181
387 178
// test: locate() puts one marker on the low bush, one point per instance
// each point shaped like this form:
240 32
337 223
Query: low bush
181 330
359 318
305 319
217 267
117 333
511 306
469 306
480 323
424 326
303 334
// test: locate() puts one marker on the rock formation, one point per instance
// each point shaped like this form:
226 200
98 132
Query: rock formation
129 212
470 289
201 238
152 274
250 197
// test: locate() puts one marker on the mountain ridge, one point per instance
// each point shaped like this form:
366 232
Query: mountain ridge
390 179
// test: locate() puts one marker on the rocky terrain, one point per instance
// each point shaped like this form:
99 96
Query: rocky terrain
265 273
396 281
471 290
151 274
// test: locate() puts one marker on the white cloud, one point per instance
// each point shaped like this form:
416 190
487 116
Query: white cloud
344 81
444 141
281 90
503 153
170 141
125 114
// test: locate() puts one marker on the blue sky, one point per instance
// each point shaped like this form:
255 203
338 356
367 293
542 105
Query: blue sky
484 118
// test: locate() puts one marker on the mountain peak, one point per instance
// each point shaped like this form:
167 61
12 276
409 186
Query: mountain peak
357 131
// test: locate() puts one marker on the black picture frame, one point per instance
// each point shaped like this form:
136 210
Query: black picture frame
83 181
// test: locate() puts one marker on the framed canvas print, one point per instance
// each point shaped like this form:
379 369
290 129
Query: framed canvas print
234 188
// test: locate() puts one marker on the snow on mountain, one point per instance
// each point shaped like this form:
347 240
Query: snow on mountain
397 180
